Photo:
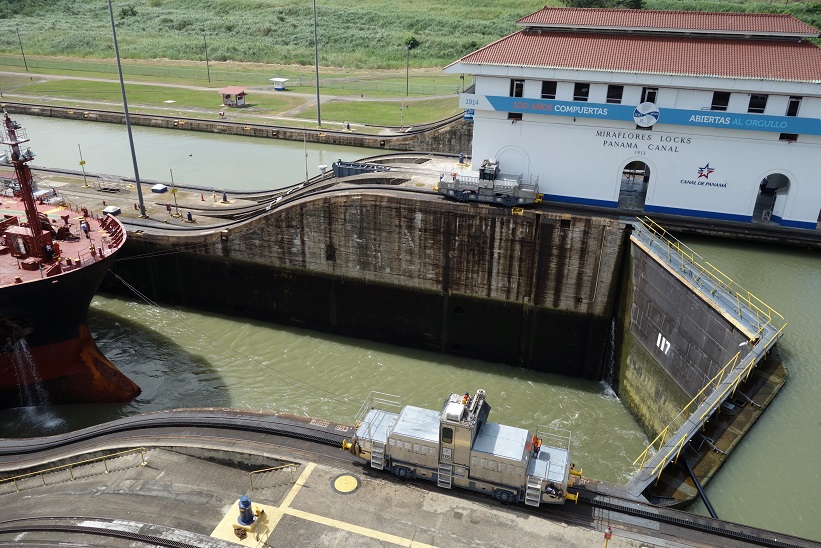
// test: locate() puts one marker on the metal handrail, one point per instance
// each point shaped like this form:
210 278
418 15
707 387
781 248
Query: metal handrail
291 466
375 400
729 388
721 280
71 466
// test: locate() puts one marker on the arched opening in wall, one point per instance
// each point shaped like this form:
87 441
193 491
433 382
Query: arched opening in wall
772 196
635 176
513 160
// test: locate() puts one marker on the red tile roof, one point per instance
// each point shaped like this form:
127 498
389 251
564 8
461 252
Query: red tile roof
719 57
676 21
233 90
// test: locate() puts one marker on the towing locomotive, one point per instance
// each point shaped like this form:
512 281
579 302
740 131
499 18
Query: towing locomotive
458 447
488 185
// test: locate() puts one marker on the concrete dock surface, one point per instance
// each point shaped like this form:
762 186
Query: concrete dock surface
189 496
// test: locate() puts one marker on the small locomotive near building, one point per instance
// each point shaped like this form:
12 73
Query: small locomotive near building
488 185
458 447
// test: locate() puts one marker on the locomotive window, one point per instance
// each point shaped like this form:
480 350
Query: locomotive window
447 435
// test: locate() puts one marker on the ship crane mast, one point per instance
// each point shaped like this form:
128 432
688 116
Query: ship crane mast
14 136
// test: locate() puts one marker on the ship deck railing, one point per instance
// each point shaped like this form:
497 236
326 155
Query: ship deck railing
758 321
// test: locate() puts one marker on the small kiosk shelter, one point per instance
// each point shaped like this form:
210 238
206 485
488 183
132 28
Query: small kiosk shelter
233 96
279 83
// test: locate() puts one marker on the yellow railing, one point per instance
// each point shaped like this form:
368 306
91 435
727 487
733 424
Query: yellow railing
290 466
765 315
71 466
685 413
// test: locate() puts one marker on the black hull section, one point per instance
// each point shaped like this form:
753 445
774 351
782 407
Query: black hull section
50 316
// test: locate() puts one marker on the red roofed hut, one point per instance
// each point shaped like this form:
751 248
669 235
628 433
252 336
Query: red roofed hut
233 96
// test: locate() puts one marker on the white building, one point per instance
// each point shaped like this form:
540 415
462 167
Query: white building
714 115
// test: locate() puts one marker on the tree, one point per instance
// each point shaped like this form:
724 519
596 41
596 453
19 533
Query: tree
587 3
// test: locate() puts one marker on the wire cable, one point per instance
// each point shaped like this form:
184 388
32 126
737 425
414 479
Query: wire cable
286 378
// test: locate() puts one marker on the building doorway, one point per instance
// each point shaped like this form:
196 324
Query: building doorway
773 191
635 177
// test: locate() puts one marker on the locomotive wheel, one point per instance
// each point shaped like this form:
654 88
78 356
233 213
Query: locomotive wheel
503 496
403 472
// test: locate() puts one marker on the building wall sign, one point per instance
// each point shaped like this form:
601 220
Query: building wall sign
644 112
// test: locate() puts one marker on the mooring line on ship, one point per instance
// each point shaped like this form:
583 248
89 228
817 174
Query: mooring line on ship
297 383
176 250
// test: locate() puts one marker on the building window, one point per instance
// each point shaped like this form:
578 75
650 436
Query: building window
517 88
720 100
757 104
581 92
514 116
548 90
614 94
792 106
788 137
648 95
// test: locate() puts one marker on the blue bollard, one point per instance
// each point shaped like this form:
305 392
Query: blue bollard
190 218
246 515
461 157
225 197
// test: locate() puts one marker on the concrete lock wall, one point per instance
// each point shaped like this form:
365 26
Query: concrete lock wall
535 289
673 342
451 138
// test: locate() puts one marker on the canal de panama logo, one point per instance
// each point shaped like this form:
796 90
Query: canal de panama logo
705 171
646 115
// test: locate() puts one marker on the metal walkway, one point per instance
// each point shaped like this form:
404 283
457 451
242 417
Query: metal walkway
762 325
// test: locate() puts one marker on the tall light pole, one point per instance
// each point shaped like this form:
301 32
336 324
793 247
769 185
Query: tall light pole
407 71
127 118
207 65
23 53
316 66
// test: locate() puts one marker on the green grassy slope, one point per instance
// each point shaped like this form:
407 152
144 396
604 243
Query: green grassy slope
368 33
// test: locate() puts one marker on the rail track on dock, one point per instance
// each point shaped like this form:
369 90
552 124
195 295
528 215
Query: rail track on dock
322 440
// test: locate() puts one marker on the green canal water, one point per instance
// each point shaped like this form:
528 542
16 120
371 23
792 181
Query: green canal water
183 358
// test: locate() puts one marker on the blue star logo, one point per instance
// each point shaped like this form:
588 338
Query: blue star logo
705 171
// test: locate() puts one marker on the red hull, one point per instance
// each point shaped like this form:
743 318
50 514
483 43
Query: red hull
70 371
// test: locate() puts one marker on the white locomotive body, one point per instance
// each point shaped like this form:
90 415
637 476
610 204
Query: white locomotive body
489 186
458 447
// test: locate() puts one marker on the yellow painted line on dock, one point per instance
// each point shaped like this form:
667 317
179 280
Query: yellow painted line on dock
273 515
364 531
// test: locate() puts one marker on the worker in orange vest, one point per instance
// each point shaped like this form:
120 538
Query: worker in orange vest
537 444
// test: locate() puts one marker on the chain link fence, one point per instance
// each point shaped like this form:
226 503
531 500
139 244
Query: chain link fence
227 76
